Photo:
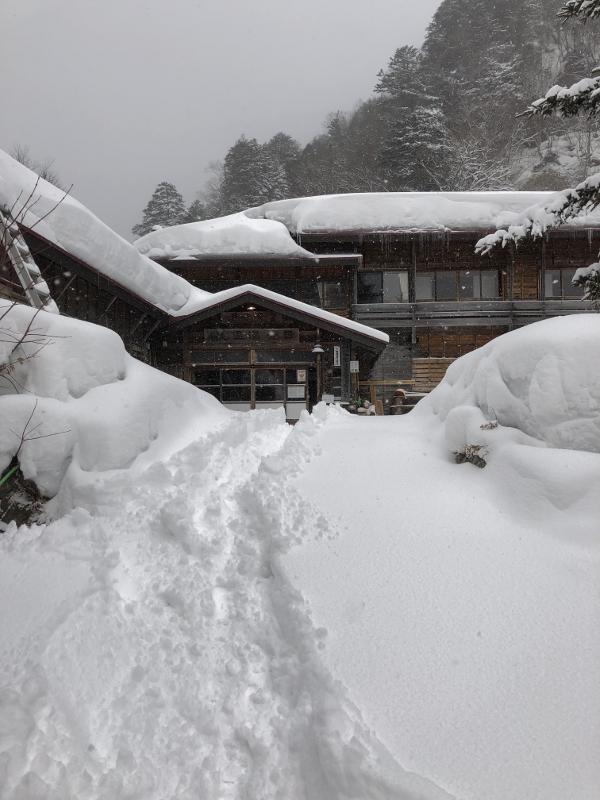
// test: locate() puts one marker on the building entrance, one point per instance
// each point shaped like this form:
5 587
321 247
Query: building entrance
243 389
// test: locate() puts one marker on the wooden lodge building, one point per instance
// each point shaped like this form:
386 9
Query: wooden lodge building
289 321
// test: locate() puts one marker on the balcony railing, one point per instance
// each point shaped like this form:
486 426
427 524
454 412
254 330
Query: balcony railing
471 312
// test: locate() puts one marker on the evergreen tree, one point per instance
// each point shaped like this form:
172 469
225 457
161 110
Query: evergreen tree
415 149
242 176
572 202
196 212
165 208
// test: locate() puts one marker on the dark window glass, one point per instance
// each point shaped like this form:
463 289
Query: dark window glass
395 287
490 283
268 394
205 377
300 356
369 287
236 394
469 284
202 357
268 356
335 294
553 283
267 376
235 376
309 293
231 357
445 285
424 286
214 390
568 289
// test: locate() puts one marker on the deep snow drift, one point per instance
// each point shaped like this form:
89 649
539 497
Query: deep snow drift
334 611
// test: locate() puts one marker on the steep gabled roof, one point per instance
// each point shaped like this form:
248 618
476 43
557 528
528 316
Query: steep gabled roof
231 298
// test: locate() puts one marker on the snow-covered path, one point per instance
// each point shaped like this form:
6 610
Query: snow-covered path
159 652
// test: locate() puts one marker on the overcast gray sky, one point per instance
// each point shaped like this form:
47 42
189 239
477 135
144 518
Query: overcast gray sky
127 93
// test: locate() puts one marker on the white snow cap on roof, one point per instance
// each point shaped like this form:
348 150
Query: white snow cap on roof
406 211
62 220
296 305
236 234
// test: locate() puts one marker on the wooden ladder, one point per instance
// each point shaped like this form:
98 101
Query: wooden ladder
29 275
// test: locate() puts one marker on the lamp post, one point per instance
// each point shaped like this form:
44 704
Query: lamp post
318 351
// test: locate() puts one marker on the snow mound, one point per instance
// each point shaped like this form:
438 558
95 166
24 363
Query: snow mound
236 234
62 220
406 211
539 383
90 403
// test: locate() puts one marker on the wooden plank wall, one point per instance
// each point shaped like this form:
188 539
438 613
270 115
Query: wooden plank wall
428 372
454 342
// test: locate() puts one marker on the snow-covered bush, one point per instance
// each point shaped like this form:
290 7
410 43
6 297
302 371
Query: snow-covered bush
541 383
83 399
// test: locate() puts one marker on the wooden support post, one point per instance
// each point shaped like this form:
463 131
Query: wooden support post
542 294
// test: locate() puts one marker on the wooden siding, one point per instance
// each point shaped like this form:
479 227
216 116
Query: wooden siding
428 372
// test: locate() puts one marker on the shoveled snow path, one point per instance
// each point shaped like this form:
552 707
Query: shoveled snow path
174 659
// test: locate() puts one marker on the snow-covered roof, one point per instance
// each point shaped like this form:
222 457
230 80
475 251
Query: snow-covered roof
406 211
234 235
216 299
63 221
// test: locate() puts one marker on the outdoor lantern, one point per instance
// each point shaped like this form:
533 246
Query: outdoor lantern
317 349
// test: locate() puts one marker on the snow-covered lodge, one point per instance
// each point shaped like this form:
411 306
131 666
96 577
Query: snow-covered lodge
346 296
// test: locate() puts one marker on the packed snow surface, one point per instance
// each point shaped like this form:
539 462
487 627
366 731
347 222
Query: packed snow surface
406 211
333 611
62 220
236 234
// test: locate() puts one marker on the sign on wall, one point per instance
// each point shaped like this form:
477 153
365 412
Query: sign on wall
337 357
354 366
301 375
296 392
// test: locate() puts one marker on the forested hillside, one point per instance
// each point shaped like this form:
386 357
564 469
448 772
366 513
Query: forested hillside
441 118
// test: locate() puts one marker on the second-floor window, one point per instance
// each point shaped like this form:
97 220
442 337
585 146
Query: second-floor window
559 285
382 287
450 284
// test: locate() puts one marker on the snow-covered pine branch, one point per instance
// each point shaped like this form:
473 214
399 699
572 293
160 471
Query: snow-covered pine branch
536 219
584 95
588 9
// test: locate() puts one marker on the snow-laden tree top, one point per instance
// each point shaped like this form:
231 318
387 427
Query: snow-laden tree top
406 211
236 234
62 220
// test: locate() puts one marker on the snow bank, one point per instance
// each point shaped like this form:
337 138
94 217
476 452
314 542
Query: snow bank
406 211
151 647
62 220
542 380
236 234
96 406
